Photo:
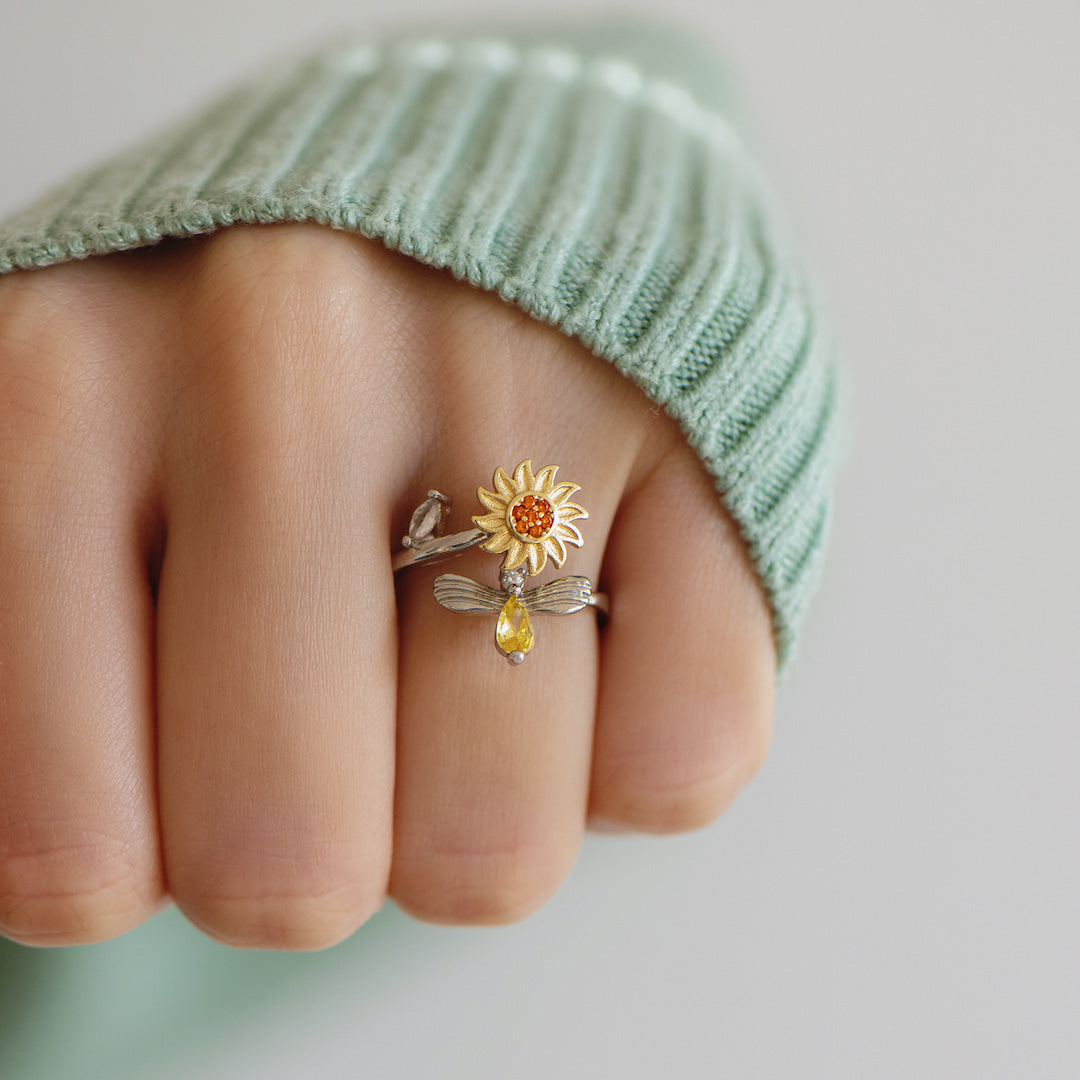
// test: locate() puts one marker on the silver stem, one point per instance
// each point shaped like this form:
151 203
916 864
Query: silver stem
437 547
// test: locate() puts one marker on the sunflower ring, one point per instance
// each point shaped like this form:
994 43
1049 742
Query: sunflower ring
528 520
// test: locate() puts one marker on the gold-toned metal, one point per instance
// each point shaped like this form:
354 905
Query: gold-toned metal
513 501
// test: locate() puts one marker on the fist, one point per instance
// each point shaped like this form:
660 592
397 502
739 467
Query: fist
211 692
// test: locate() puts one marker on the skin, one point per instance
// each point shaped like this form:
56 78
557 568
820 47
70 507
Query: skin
211 693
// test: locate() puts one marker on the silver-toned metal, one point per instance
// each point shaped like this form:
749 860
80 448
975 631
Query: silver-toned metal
513 581
602 602
437 547
561 597
467 597
427 519
515 657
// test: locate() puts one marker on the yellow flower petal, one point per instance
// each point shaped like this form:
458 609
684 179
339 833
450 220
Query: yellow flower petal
545 479
498 542
561 492
569 511
503 484
523 476
490 522
568 533
557 549
516 553
537 558
495 503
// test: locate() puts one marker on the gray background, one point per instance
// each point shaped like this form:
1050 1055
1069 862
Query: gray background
897 894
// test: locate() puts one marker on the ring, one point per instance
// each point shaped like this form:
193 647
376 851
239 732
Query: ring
528 519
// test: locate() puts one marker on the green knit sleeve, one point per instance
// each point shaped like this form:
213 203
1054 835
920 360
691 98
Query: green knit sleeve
595 179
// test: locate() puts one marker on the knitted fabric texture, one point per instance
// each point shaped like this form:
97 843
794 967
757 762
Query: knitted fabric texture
599 198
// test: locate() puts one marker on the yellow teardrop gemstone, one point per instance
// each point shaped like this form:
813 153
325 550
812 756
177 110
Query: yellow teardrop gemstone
514 632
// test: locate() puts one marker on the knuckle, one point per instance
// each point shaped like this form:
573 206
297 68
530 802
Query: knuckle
279 901
273 365
42 308
69 311
273 285
42 396
467 887
86 890
56 404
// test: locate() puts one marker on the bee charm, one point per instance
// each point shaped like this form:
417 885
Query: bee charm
514 606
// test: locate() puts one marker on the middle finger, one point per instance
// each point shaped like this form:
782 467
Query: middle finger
493 759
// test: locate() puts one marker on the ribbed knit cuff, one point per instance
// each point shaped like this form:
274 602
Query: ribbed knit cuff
598 198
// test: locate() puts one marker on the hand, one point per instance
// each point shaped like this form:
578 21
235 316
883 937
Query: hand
209 691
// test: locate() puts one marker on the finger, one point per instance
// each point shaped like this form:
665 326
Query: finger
78 827
688 665
277 649
493 759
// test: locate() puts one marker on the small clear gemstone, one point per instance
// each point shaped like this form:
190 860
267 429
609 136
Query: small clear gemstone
426 519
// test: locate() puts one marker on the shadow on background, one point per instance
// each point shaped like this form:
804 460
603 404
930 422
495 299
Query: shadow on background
25 976
156 993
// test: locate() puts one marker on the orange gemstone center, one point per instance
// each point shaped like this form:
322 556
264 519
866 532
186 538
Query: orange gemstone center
532 517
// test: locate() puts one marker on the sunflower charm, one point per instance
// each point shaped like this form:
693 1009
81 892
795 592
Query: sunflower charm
529 520
529 517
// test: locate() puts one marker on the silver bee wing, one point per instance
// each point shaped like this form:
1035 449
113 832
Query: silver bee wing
563 596
462 594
